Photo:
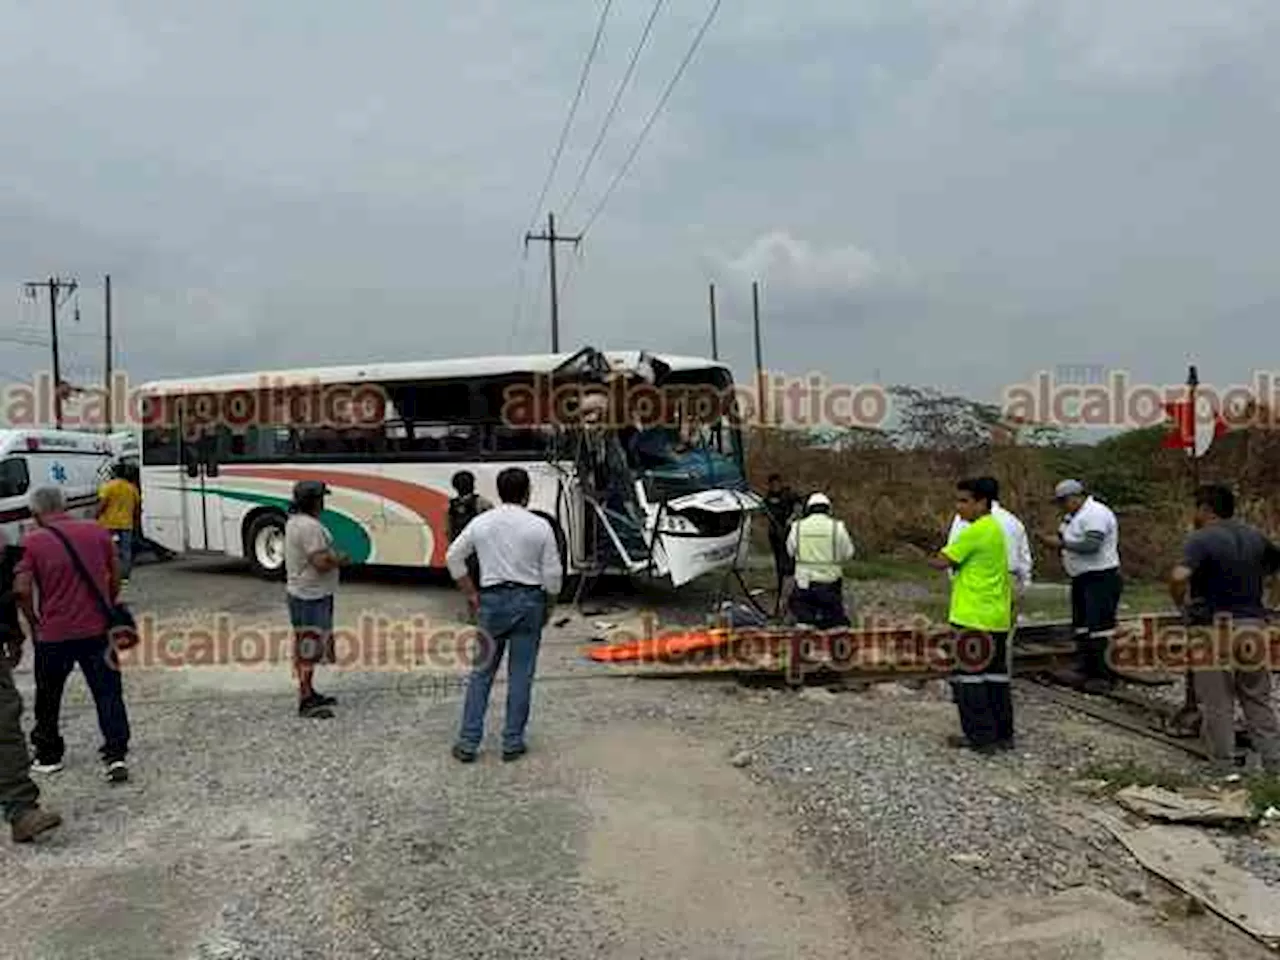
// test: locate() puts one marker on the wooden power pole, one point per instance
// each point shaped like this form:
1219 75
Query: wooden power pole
715 344
760 377
54 287
106 319
551 238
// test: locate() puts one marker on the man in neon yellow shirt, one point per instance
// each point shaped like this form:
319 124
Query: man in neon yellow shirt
981 616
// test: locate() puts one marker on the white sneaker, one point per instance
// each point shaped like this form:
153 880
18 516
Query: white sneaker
47 768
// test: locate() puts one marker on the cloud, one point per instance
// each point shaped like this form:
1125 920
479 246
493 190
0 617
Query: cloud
1057 181
779 259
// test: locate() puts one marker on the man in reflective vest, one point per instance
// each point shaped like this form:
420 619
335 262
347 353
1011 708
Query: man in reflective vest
820 546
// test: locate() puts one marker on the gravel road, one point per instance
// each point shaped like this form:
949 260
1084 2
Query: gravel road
651 819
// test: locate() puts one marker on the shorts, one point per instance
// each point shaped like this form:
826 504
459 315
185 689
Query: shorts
312 629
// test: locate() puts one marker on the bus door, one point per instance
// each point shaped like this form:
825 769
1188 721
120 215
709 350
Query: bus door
201 503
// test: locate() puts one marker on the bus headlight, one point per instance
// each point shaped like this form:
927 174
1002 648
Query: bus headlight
674 523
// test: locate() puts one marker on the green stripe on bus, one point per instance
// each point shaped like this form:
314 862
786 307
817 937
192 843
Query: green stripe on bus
348 535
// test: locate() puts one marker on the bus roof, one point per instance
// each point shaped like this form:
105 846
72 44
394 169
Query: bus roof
459 368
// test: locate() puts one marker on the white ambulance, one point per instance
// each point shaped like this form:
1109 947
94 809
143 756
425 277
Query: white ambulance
30 459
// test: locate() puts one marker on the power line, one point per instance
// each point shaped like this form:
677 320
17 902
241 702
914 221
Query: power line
697 41
613 107
573 109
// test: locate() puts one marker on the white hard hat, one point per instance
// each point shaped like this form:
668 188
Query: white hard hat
818 500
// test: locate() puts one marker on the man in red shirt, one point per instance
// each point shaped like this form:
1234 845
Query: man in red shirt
69 627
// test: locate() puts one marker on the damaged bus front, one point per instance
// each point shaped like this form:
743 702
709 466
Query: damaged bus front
658 461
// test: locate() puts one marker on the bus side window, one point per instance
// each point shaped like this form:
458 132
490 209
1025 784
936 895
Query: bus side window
14 479
518 441
160 446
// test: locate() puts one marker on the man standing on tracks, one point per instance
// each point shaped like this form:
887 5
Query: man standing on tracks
1224 565
820 546
981 616
1015 535
780 504
1089 540
521 577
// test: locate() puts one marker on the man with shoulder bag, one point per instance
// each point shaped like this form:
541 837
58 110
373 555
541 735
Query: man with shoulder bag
68 587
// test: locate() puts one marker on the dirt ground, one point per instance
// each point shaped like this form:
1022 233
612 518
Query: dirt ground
246 832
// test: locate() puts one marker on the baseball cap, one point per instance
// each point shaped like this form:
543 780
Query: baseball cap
818 500
1068 488
308 489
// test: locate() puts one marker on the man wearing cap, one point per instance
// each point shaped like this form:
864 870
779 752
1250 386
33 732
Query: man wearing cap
311 566
1089 539
819 545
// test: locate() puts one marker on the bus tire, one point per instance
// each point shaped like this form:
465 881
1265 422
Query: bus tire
562 545
264 544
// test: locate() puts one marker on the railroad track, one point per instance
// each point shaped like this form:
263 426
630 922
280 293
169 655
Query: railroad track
1039 651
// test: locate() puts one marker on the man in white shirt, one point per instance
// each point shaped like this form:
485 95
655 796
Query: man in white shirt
820 547
1015 536
1089 538
521 574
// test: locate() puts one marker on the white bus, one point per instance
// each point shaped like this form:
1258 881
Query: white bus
666 498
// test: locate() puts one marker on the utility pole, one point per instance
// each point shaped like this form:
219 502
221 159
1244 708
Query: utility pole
106 318
760 378
54 286
551 238
1193 381
715 346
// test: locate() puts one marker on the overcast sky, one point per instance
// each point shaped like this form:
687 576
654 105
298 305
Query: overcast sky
942 192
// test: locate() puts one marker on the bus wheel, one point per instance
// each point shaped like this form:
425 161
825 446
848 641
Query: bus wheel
264 546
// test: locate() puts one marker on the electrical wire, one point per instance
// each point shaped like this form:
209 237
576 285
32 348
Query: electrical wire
573 109
697 41
613 107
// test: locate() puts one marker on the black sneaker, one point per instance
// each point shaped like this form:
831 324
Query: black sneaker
463 754
514 753
116 772
321 700
312 709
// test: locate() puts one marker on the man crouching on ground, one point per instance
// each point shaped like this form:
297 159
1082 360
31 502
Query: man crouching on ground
521 576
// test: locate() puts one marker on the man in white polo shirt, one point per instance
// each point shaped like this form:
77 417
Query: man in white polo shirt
1089 538
1015 537
521 574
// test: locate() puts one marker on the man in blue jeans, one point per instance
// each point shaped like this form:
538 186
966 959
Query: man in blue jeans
521 574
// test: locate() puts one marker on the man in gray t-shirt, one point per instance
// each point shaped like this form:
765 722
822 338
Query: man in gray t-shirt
1224 566
311 571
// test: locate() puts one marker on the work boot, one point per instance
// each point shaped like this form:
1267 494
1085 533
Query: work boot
32 822
311 708
463 754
